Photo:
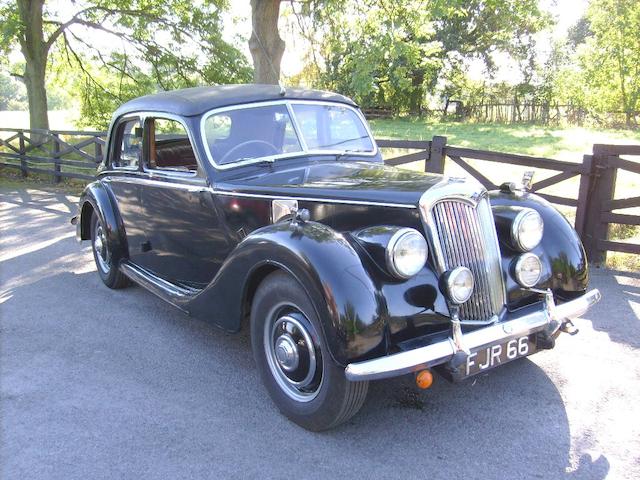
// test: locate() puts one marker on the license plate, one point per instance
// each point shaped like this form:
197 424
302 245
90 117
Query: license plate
493 356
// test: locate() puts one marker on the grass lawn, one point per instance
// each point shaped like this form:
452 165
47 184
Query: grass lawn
568 143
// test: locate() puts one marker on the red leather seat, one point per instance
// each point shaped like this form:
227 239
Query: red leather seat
175 156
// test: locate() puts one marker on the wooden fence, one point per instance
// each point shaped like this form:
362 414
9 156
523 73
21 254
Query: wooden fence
595 200
75 155
62 153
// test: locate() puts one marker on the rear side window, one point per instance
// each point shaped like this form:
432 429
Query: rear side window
169 146
128 151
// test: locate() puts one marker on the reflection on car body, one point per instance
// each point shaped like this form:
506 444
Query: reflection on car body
252 207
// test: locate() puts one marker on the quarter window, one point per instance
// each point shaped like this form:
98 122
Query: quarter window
169 146
129 149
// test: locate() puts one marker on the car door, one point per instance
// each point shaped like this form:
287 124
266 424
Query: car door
183 239
125 162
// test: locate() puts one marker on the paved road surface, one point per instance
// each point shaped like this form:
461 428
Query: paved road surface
108 384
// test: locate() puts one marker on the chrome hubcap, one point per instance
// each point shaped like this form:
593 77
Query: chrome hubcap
287 352
100 246
293 353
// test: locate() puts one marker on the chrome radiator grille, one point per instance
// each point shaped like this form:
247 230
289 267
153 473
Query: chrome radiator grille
465 236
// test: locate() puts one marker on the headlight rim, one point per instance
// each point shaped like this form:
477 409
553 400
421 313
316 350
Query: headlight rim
517 267
391 245
515 227
449 275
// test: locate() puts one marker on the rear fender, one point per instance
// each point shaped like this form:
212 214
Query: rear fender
97 198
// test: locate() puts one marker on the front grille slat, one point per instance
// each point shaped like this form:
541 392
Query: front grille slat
466 237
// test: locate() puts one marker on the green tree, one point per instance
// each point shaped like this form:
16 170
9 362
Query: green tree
388 53
170 41
610 57
11 95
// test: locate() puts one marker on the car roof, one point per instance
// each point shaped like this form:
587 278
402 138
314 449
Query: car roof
195 101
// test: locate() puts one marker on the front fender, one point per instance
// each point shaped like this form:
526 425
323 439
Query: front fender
348 304
97 198
565 267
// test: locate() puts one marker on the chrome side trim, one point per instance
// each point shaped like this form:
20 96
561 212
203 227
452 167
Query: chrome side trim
288 103
311 199
227 193
548 318
159 183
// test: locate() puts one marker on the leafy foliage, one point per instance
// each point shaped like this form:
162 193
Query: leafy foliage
390 54
121 49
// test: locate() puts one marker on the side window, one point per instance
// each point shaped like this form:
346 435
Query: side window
129 148
169 146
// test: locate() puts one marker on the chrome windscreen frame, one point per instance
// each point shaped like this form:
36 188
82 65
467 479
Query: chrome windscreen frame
472 193
288 103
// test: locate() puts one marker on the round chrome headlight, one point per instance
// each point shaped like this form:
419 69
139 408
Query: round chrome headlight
528 270
527 230
406 253
459 284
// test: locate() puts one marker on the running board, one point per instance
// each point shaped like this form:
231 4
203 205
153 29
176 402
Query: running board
176 295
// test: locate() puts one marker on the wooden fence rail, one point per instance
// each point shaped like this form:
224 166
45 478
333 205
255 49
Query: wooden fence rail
74 154
63 153
595 201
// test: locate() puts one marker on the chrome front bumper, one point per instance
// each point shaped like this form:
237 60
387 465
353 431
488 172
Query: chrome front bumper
549 318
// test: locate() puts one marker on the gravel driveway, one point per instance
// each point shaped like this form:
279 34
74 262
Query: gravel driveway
96 383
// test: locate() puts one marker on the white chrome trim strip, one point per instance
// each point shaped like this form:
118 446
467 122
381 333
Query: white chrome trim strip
288 103
311 199
203 188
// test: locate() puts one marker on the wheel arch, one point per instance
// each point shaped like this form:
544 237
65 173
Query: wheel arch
97 198
348 303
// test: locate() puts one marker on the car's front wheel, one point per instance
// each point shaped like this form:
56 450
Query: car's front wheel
103 256
293 361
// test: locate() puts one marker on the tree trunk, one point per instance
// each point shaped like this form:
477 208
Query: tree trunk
417 92
265 43
34 50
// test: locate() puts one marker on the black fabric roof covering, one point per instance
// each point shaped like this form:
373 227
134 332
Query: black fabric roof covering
195 101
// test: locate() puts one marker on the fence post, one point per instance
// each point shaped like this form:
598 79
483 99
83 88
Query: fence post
56 158
23 160
436 155
602 190
584 191
98 151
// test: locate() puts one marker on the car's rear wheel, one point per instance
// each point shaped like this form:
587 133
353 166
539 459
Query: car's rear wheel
293 361
103 256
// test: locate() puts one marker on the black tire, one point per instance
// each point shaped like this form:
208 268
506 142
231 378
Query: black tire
330 399
107 268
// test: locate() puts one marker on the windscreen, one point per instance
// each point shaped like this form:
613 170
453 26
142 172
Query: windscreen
328 127
269 131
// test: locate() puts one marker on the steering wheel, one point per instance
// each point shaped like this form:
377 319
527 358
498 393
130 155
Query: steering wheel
264 145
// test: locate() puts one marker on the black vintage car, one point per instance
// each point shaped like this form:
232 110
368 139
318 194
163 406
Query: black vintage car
270 209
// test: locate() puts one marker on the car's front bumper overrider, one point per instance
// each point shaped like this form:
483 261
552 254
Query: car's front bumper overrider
548 319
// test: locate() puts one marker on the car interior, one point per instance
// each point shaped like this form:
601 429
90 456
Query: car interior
169 146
